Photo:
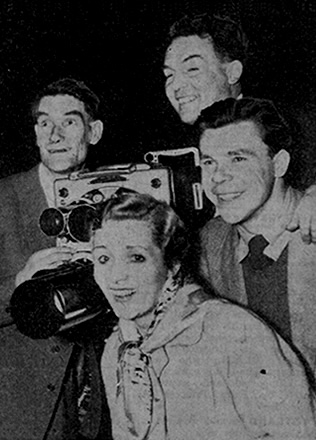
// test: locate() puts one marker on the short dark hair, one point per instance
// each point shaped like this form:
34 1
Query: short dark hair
228 38
72 87
168 231
273 128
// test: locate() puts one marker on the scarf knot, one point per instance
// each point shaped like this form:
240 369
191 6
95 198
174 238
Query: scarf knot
135 388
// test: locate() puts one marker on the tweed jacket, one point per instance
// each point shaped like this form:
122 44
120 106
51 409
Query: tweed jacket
21 202
225 375
219 265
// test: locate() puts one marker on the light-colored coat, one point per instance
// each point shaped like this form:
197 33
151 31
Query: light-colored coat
225 376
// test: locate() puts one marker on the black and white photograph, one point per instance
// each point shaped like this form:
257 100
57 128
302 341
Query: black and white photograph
158 220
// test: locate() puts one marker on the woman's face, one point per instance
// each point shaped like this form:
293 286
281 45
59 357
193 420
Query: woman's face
129 268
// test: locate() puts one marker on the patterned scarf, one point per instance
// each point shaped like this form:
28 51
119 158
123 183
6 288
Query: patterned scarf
140 396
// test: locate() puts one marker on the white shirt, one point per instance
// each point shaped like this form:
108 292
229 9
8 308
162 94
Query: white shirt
47 183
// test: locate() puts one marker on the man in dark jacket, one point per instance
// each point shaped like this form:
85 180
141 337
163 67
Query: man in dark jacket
40 379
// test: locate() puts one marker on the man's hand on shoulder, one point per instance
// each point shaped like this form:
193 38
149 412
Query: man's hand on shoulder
44 259
305 216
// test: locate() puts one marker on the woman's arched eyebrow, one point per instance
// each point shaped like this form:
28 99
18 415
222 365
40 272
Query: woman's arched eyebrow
100 246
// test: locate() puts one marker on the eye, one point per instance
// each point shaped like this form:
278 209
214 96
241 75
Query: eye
69 122
237 159
191 71
168 77
103 259
207 162
43 123
138 258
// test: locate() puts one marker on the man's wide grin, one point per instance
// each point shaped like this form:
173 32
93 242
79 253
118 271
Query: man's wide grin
228 197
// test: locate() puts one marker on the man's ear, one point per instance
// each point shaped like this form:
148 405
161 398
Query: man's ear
96 130
36 132
233 71
281 163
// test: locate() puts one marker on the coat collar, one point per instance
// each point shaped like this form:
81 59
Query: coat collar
183 321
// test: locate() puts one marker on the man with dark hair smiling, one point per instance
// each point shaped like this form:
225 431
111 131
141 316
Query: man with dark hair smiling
247 252
204 62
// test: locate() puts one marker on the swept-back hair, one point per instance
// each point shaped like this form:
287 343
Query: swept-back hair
228 38
272 127
168 231
72 87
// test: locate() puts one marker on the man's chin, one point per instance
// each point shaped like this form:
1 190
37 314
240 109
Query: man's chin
61 168
232 218
189 117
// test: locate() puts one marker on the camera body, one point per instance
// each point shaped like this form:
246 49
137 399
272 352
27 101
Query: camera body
95 187
169 175
78 196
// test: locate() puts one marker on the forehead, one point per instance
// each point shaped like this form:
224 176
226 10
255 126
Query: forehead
243 136
124 233
183 48
60 105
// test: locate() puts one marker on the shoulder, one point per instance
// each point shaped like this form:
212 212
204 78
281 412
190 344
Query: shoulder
216 236
297 246
15 181
215 227
230 324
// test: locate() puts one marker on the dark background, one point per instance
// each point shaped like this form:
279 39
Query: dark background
115 46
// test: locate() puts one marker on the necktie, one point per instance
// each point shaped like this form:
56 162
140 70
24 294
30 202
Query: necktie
266 286
256 258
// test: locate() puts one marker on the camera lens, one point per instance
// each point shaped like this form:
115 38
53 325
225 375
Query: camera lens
79 222
51 222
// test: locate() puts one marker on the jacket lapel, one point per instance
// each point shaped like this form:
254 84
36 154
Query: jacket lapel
32 203
230 280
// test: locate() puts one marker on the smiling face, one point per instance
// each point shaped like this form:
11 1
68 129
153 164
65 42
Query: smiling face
195 76
63 133
129 268
238 171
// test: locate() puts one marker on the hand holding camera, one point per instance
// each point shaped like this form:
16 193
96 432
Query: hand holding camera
44 259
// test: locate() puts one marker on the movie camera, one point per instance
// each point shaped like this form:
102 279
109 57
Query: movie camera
57 300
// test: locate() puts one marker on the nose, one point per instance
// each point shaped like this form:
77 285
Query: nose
56 133
221 174
179 82
118 273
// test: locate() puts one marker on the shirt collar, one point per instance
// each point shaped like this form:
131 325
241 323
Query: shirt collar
279 237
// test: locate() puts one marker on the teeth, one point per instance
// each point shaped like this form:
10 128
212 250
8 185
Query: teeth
228 197
186 100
